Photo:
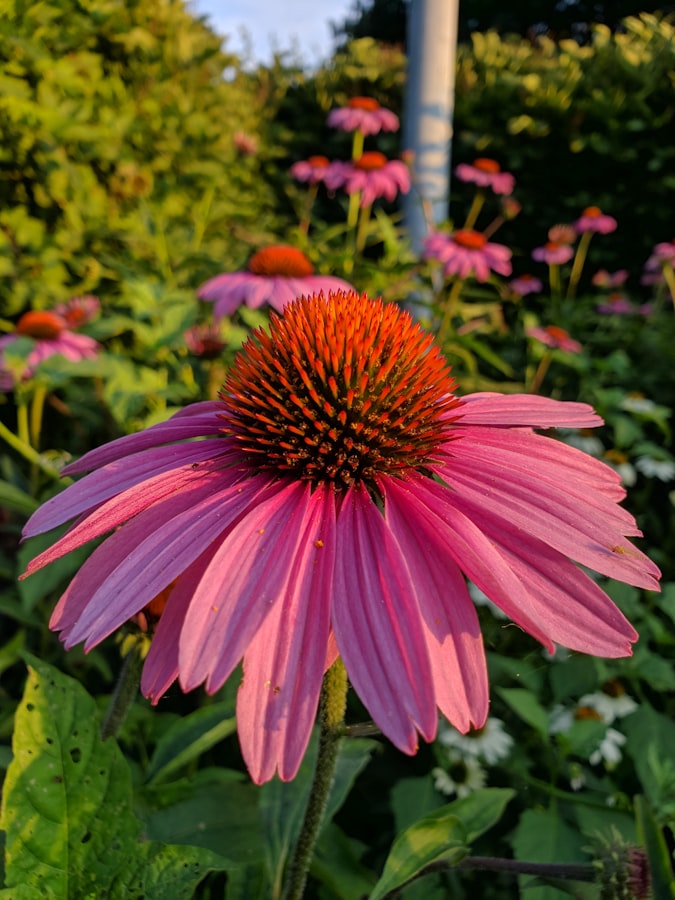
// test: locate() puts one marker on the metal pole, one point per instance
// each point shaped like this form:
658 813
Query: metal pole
428 110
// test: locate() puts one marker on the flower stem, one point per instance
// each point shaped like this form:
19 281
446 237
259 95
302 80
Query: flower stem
476 206
542 369
25 449
124 694
331 716
448 311
36 411
578 264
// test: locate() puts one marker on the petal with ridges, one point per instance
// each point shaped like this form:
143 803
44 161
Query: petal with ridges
488 408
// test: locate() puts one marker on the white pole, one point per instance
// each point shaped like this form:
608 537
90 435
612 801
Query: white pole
428 110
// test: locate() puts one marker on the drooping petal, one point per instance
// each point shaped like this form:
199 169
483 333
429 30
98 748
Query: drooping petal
247 576
197 420
450 620
284 663
488 408
377 624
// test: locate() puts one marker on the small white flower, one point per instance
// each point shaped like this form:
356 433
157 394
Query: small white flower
610 708
609 749
560 719
481 599
462 776
627 473
491 743
663 469
589 443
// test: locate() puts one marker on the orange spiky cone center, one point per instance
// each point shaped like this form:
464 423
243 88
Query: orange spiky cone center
556 332
367 103
592 212
342 389
41 325
280 259
489 166
319 162
469 239
371 160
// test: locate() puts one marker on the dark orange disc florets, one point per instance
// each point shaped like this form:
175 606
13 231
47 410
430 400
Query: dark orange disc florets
41 325
342 389
592 212
280 259
489 166
319 162
469 239
367 103
371 160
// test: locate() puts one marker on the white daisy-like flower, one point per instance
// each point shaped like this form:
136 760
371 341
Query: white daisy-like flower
609 707
663 469
560 719
491 743
582 440
461 776
609 749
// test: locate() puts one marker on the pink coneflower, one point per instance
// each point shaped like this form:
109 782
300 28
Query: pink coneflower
468 254
553 254
594 220
605 279
661 256
363 114
317 169
245 143
562 234
340 497
616 304
486 173
554 336
78 311
205 341
526 284
274 275
51 336
373 175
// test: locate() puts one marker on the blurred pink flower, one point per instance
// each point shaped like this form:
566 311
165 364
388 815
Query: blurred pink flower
205 341
554 336
486 173
245 143
51 336
336 498
616 304
593 219
553 254
562 234
79 310
317 169
373 176
526 284
467 253
662 255
605 279
363 114
275 275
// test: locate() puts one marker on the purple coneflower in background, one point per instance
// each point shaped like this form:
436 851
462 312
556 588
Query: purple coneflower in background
467 253
486 173
526 284
594 220
373 176
605 279
274 276
616 304
52 336
318 169
553 253
363 114
554 336
339 496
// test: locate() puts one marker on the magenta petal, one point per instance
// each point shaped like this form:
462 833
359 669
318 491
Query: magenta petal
487 408
377 624
284 663
246 578
197 420
450 620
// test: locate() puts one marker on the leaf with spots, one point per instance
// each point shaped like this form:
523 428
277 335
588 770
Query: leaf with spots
67 806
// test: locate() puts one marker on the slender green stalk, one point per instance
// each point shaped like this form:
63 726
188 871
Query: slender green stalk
540 374
669 277
476 206
362 230
36 411
449 310
126 691
578 264
22 429
331 715
24 449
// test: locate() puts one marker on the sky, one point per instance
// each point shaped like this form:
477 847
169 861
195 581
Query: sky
301 26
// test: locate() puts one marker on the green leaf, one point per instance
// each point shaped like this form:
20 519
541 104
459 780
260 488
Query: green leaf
526 705
544 836
650 836
440 836
337 865
67 806
14 498
189 737
481 810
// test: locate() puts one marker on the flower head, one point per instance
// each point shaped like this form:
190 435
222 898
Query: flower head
554 336
51 335
562 234
468 254
526 284
334 505
246 144
617 304
486 173
317 169
275 275
363 114
373 176
460 775
491 743
605 279
553 253
594 220
205 340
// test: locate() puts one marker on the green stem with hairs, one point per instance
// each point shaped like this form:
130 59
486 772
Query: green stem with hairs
126 691
331 716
